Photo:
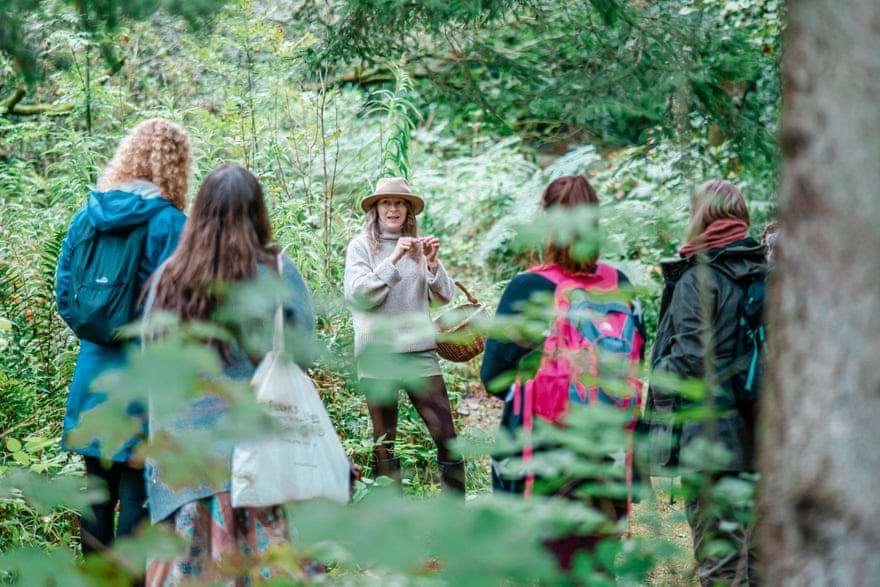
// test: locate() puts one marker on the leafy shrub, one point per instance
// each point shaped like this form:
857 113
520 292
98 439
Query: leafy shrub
244 90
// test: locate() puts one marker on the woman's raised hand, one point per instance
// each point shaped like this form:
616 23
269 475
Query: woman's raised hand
430 247
404 245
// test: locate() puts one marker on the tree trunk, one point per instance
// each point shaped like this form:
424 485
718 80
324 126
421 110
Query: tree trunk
820 446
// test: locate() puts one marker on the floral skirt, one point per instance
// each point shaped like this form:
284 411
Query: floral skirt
224 546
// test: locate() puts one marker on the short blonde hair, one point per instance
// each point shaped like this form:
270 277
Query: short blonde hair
713 200
155 150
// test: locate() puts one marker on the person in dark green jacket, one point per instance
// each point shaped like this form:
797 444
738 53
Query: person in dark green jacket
698 306
146 182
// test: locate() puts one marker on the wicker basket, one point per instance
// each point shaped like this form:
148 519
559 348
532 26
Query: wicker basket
462 347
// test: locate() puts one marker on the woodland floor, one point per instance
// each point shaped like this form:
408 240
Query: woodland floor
659 516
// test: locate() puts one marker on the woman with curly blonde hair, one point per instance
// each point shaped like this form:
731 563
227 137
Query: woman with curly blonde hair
141 194
157 151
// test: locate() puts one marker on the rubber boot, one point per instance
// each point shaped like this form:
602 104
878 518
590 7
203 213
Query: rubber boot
388 468
452 475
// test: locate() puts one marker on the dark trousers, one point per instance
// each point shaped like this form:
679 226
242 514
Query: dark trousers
428 395
565 548
712 522
125 486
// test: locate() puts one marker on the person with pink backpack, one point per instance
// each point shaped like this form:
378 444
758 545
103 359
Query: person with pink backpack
588 355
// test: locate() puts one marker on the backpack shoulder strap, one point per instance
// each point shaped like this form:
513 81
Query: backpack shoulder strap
86 232
608 276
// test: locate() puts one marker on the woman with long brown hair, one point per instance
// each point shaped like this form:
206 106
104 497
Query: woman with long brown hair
391 275
227 240
141 194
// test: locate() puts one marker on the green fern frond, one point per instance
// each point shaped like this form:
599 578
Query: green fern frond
49 256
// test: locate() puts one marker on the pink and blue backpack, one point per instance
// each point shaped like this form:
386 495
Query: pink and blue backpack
590 356
594 339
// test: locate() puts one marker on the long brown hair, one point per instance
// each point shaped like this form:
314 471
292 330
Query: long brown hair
226 235
570 191
373 229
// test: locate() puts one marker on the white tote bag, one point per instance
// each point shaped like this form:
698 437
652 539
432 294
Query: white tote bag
305 459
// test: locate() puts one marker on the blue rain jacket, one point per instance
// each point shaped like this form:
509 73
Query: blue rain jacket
131 204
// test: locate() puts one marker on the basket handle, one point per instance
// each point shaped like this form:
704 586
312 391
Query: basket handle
470 298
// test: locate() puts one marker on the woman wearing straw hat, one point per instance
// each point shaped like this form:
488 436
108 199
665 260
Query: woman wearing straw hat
391 275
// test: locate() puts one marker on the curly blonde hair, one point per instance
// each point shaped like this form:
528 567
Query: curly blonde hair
155 150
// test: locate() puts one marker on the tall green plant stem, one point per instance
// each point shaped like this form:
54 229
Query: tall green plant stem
329 178
710 379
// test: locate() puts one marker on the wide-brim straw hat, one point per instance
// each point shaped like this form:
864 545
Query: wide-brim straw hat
393 187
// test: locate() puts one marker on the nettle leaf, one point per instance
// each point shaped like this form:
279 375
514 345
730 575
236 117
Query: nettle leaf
161 324
106 425
563 226
394 367
37 443
441 528
34 567
249 303
246 418
50 494
637 557
733 491
720 548
171 370
705 455
249 309
133 552
693 390
189 459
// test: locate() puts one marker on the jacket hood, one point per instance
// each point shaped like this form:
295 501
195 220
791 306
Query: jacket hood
130 204
742 259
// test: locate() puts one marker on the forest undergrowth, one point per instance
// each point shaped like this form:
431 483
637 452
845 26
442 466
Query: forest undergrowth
246 89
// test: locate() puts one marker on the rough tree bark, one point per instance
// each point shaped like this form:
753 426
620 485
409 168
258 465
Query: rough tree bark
820 447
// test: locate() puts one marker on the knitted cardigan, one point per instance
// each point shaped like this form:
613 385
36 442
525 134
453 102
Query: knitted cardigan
389 301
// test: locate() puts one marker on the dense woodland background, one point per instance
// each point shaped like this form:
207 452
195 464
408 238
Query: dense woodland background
479 104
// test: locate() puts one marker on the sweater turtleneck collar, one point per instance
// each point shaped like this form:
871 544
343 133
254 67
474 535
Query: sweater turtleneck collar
387 235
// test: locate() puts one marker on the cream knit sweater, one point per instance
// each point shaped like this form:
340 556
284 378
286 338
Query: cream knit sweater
389 301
